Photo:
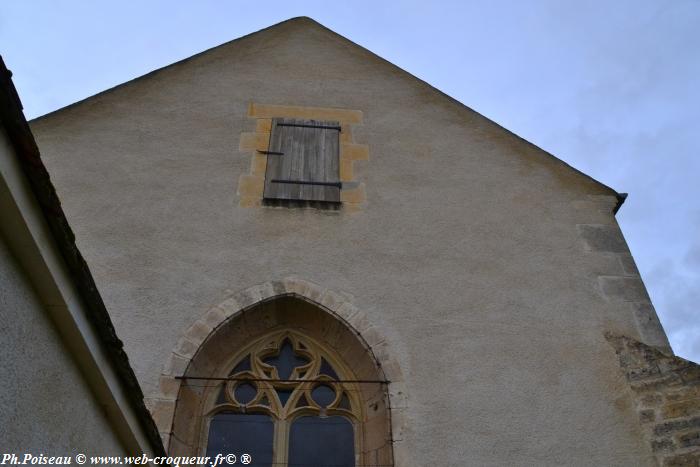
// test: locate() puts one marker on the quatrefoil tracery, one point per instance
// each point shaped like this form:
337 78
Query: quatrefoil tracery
286 375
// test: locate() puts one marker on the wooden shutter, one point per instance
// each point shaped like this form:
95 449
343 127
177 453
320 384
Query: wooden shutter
302 161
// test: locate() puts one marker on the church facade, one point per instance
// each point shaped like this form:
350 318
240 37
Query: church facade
313 257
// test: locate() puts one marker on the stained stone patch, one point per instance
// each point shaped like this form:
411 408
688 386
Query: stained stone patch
603 238
627 289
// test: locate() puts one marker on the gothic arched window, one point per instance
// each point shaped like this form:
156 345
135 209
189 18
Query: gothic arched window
288 402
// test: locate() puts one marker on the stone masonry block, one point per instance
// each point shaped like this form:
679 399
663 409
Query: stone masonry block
350 208
346 310
647 416
214 317
259 165
230 307
265 290
355 195
165 438
683 394
397 395
359 322
663 445
683 460
198 332
628 265
278 288
186 348
250 185
392 370
331 300
682 409
249 201
620 288
345 133
316 113
663 429
298 286
380 350
176 365
169 387
162 413
605 238
689 440
354 152
263 125
649 326
373 336
252 141
248 297
315 293
605 203
346 171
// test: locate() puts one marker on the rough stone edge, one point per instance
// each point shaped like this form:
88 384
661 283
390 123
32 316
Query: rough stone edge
642 309
658 370
337 304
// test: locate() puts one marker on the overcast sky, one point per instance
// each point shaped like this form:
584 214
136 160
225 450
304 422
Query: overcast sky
611 87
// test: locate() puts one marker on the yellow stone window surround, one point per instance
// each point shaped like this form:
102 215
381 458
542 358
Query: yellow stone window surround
251 185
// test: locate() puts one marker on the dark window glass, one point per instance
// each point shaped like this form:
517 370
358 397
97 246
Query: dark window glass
344 403
302 402
323 395
245 392
322 441
243 365
222 395
284 395
327 369
236 433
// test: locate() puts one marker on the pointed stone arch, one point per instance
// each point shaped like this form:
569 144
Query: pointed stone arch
254 311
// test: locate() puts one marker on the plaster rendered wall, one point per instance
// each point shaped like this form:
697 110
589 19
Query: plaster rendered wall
468 254
45 405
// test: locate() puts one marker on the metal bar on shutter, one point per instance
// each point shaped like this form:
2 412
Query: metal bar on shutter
307 182
303 125
309 168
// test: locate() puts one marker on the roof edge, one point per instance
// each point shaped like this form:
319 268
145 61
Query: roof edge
29 158
179 62
619 196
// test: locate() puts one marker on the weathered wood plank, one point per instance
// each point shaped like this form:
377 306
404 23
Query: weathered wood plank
310 154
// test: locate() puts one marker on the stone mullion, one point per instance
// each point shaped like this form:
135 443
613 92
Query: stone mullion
280 451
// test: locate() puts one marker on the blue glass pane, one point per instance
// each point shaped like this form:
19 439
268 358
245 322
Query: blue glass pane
302 402
322 442
243 365
344 403
222 395
284 395
327 369
236 433
323 395
245 392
